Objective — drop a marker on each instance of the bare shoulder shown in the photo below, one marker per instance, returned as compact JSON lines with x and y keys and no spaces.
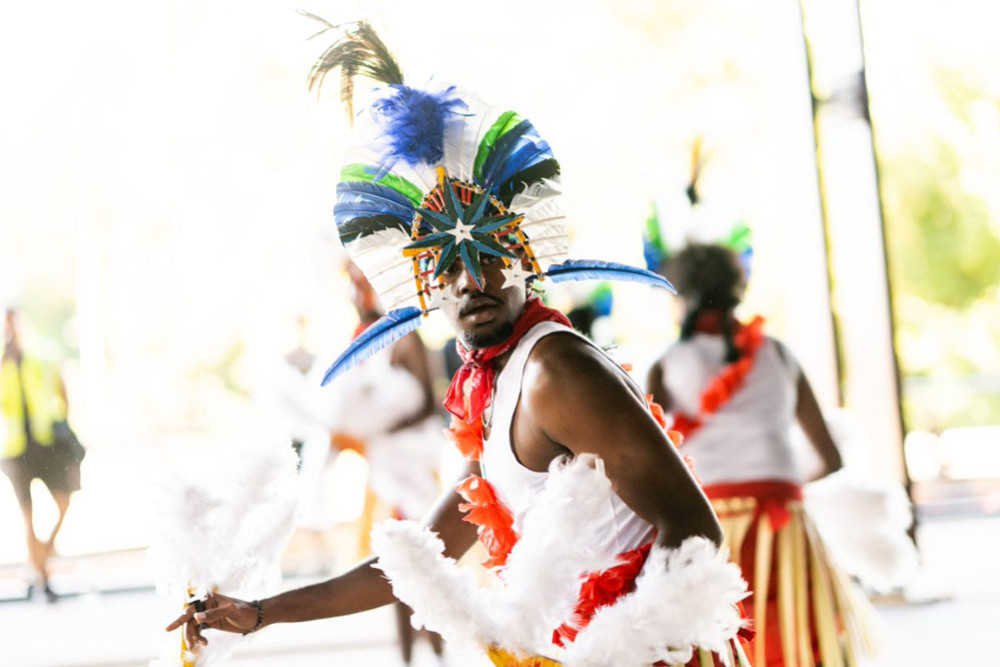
{"x":565,"y":355}
{"x":567,"y":368}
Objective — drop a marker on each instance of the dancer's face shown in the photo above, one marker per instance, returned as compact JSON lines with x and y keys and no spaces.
{"x":482,"y":317}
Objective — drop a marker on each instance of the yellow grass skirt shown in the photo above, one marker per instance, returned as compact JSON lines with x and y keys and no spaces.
{"x":820,"y":615}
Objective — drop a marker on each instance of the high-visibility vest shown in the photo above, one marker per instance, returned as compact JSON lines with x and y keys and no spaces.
{"x":43,"y":394}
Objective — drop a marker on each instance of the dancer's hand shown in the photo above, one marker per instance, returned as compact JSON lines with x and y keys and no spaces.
{"x":221,"y":613}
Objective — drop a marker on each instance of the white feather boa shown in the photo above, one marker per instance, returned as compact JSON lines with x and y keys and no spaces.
{"x":685,"y":597}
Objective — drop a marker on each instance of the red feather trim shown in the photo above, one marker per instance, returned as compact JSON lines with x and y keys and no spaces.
{"x":494,"y":521}
{"x":675,"y":436}
{"x":468,"y":438}
{"x":601,"y":589}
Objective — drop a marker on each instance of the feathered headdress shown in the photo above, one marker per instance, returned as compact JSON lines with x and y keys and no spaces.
{"x":439,"y":176}
{"x":656,"y":251}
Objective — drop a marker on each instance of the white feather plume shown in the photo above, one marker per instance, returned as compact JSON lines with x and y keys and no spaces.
{"x":684,"y":598}
{"x":864,"y":524}
{"x":222,"y":523}
{"x":536,"y":194}
{"x":463,"y":136}
{"x":544,"y":221}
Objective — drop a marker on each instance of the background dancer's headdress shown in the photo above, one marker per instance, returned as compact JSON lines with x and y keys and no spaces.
{"x":440,"y":176}
{"x":656,"y":251}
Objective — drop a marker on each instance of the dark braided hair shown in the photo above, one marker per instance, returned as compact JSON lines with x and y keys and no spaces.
{"x":709,"y":278}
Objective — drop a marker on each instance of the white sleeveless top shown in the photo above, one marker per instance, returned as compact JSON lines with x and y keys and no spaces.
{"x":749,"y":437}
{"x":517,"y":485}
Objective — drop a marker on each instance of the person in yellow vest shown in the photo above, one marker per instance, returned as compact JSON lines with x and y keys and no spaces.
{"x":33,"y":402}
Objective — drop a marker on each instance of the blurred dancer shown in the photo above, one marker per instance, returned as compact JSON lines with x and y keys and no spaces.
{"x":386,"y":412}
{"x":34,"y":405}
{"x":734,"y":394}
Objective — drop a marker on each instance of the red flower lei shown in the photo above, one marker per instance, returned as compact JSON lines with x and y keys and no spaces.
{"x":748,"y":339}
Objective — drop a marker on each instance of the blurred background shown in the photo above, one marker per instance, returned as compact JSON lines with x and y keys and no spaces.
{"x":167,"y":236}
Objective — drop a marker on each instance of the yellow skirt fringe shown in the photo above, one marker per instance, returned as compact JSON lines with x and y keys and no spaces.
{"x":808,"y":585}
{"x":702,"y":658}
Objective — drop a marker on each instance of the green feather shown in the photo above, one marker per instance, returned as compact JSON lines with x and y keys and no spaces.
{"x":366,"y":174}
{"x":503,"y":124}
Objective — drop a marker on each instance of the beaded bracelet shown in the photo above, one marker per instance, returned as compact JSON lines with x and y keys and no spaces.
{"x":260,"y":618}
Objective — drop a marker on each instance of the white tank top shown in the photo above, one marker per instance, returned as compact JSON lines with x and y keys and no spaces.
{"x":749,"y":437}
{"x":515,"y":484}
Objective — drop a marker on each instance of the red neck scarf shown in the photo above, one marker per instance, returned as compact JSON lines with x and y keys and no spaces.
{"x":477,"y":373}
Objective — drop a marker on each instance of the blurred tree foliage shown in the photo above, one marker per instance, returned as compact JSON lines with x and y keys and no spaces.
{"x":940,"y":235}
{"x":944,"y":255}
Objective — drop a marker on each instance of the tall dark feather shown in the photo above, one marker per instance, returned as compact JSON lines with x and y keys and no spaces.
{"x":358,"y":51}
{"x":360,"y":227}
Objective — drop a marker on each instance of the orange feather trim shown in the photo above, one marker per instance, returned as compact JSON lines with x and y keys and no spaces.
{"x":748,"y":339}
{"x":494,"y":521}
{"x":468,"y":438}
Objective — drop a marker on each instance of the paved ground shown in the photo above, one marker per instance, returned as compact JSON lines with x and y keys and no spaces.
{"x":123,"y":629}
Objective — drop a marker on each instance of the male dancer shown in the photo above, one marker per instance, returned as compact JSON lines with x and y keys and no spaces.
{"x":456,"y":211}
{"x":573,"y":400}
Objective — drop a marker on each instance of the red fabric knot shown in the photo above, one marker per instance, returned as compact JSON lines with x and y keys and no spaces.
{"x":474,"y":380}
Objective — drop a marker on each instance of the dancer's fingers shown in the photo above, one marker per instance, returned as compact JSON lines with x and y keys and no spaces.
{"x":197,"y":636}
{"x":213,"y":617}
{"x":182,"y":619}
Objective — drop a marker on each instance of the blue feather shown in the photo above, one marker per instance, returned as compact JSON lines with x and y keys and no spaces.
{"x":390,"y":201}
{"x":516,"y":150}
{"x":524,"y":157}
{"x":586,"y":269}
{"x":343,"y":213}
{"x":372,"y":191}
{"x":356,"y":199}
{"x":384,"y":332}
{"x":412,"y":123}
{"x":652,"y":253}
{"x":746,"y":259}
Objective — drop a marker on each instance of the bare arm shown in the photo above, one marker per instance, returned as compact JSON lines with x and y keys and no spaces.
{"x":656,"y":386}
{"x":359,"y":589}
{"x":584,"y":403}
{"x":814,"y":426}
